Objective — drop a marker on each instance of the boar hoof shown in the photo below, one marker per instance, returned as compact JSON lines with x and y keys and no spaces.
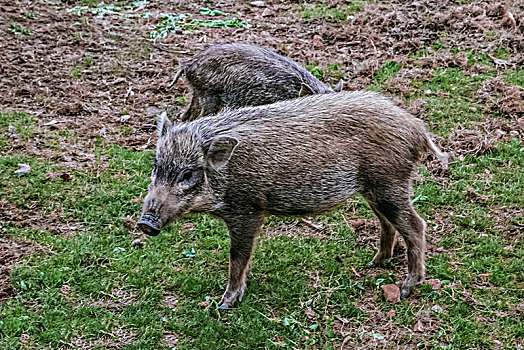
{"x":380,"y":259}
{"x":224,"y":306}
{"x":230,"y":299}
{"x":409,"y":284}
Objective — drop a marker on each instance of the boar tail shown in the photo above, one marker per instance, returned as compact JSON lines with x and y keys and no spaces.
{"x":442,"y":156}
{"x":180,"y":72}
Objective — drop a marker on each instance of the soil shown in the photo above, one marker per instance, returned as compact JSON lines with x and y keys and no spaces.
{"x":380,"y":330}
{"x":11,"y":251}
{"x":36,"y":220}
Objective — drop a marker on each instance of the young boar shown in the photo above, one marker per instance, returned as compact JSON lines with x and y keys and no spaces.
{"x":296,"y":157}
{"x":239,"y":75}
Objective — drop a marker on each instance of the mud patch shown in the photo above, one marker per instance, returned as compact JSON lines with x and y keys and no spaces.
{"x":170,"y":300}
{"x":505,"y":127}
{"x":380,"y":330}
{"x":438,"y":227}
{"x":367,"y":231}
{"x":11,"y":251}
{"x":498,"y":96}
{"x":467,"y":141}
{"x":170,"y":339}
{"x":36,"y":220}
{"x":117,"y":300}
{"x":117,"y":339}
{"x":509,"y":221}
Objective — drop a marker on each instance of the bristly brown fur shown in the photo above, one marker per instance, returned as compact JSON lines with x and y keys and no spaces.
{"x":297,"y":157}
{"x":239,"y":75}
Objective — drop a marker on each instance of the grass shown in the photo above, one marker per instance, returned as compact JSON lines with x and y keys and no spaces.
{"x":288,"y":276}
{"x":80,"y":68}
{"x":389,"y":69}
{"x":21,"y":124}
{"x":18,"y":29}
{"x":96,"y":286}
{"x":315,"y":70}
{"x":331,"y":14}
{"x":185,"y":23}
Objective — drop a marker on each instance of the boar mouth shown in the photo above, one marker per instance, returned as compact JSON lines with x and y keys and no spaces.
{"x":149,"y":224}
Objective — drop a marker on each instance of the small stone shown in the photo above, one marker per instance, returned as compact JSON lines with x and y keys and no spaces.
{"x":418,"y":327}
{"x":436,"y":308}
{"x":24,"y":338}
{"x":137,"y":242}
{"x":317,"y":41}
{"x":435,"y":283}
{"x":427,"y":92}
{"x":391,"y":313}
{"x":188,"y":226}
{"x":11,"y":130}
{"x":65,"y":289}
{"x":268,"y":12}
{"x":257,"y":3}
{"x":206,"y":305}
{"x":391,"y":293}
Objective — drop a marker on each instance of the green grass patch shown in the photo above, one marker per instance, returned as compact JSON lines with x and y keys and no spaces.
{"x":185,"y":23}
{"x":450,"y":96}
{"x":18,"y":29}
{"x":315,"y":70}
{"x":331,"y":14}
{"x":389,"y":69}
{"x":514,"y":77}
{"x":16,"y":123}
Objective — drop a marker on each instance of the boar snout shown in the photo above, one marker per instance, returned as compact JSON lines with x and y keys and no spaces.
{"x":149,"y":224}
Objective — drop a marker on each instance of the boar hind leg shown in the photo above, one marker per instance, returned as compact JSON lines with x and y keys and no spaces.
{"x":388,"y":238}
{"x":242,"y":232}
{"x":399,"y":211}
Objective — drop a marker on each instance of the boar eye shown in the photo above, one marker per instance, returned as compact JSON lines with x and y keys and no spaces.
{"x":185,"y":176}
{"x":188,"y":177}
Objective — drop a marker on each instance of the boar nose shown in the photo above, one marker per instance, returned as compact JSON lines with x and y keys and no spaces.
{"x":149,"y":224}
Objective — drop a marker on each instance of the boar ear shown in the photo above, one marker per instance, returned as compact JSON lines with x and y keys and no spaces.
{"x":305,"y":90}
{"x":339,"y":86}
{"x":163,"y":124}
{"x":220,"y":150}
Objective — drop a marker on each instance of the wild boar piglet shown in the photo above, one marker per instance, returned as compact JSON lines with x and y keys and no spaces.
{"x":239,"y":75}
{"x":297,"y":157}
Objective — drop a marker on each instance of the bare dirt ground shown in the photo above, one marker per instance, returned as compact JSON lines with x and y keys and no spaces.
{"x":10,"y":252}
{"x":84,"y":73}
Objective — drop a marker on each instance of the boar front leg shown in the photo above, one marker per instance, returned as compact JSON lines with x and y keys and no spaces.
{"x":242,"y":232}
{"x":202,"y":104}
